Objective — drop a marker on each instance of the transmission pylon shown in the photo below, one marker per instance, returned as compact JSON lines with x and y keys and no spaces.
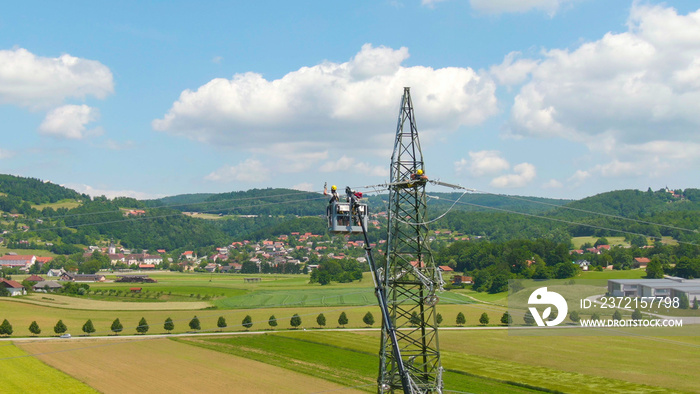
{"x":410,"y":277}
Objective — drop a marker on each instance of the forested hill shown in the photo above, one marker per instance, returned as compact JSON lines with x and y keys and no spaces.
{"x":251,"y":202}
{"x":36,"y":191}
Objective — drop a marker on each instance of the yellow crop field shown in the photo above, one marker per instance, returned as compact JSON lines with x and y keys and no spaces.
{"x":65,"y":302}
{"x":164,"y":366}
{"x":23,"y":374}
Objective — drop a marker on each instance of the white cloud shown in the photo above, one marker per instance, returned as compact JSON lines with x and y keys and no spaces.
{"x":626,"y":87}
{"x":487,"y":162}
{"x":579,"y":177}
{"x":350,"y":164}
{"x":430,"y":3}
{"x":249,"y":171}
{"x":6,"y":154}
{"x":524,"y":173}
{"x":505,"y":6}
{"x":69,"y":122}
{"x":33,"y":81}
{"x":304,"y":187}
{"x":513,"y":70}
{"x":96,"y":192}
{"x":116,"y":145}
{"x":552,"y":184}
{"x":333,"y":107}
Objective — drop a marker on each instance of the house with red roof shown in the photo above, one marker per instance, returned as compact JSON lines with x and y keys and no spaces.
{"x":642,"y":261}
{"x":15,"y":288}
{"x":17,"y":261}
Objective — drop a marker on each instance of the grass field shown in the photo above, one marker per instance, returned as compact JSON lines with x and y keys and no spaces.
{"x":347,"y":365}
{"x":578,"y":241}
{"x":22,"y":374}
{"x":475,"y":360}
{"x":68,"y":204}
{"x":24,"y":252}
{"x":164,"y":366}
{"x":21,"y":315}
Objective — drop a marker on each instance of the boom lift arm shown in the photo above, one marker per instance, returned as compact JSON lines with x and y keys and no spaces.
{"x":380,"y":292}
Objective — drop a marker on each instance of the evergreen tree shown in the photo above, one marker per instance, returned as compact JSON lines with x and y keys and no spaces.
{"x":683,"y":302}
{"x":484,"y":319}
{"x":194,"y":323}
{"x":117,"y":326}
{"x":617,"y":315}
{"x":574,"y":316}
{"x":415,"y":319}
{"x":60,"y":328}
{"x":88,"y":327}
{"x":142,"y":328}
{"x":296,"y":321}
{"x":168,"y":325}
{"x":343,"y":319}
{"x":5,"y":328}
{"x":438,"y":319}
{"x":506,"y":319}
{"x":637,"y":315}
{"x":221,"y":323}
{"x":321,"y":320}
{"x":247,"y":322}
{"x":529,"y":319}
{"x":34,"y":328}
{"x":368,"y":319}
{"x":272,"y":321}
{"x":595,"y":316}
{"x":460,"y":319}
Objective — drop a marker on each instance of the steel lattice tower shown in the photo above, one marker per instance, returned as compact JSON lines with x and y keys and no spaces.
{"x":410,"y":277}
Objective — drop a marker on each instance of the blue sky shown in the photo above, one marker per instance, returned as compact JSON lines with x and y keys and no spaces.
{"x":552,"y":98}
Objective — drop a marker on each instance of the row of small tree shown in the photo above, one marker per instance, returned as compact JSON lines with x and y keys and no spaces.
{"x":169,"y":325}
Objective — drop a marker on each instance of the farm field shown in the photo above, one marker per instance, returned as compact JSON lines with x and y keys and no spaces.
{"x":165,"y":366}
{"x":21,"y":315}
{"x":475,"y":360}
{"x":68,"y":204}
{"x":22,"y":374}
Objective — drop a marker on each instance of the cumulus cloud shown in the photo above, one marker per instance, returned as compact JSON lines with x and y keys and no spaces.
{"x":486,"y":162}
{"x":109,"y":193}
{"x":430,"y":3}
{"x":328,"y":105}
{"x":249,"y":171}
{"x":6,"y":154}
{"x":304,"y":187}
{"x":33,"y":81}
{"x":350,"y":164}
{"x":514,"y":70}
{"x":506,"y":6}
{"x":524,"y":173}
{"x":626,"y":87}
{"x":69,"y":122}
{"x":552,"y":184}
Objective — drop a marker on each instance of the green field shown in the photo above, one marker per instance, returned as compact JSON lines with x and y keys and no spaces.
{"x":23,"y":374}
{"x":68,"y":204}
{"x":475,"y":360}
{"x":350,"y":363}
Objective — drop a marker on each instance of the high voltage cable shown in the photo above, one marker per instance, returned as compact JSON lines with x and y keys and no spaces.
{"x":385,"y":187}
{"x":180,"y":205}
{"x":565,"y":221}
{"x":142,"y":218}
{"x":585,"y":211}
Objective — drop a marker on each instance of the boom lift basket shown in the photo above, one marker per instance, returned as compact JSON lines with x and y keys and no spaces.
{"x":342,"y":221}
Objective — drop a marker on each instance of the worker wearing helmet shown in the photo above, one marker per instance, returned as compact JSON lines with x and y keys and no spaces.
{"x":333,"y":193}
{"x":419,"y":177}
